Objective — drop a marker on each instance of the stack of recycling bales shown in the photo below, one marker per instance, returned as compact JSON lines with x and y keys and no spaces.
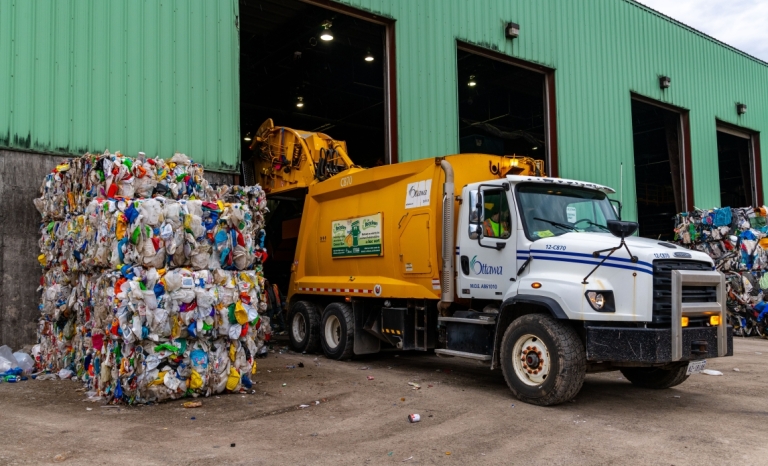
{"x":737,"y":241}
{"x":156,"y":296}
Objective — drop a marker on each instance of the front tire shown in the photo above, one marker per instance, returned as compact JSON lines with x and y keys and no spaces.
{"x":337,"y":332}
{"x":304,"y":327}
{"x":655,"y":377}
{"x":543,"y":360}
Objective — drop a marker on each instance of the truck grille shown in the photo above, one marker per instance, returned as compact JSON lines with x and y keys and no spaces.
{"x":662,"y":288}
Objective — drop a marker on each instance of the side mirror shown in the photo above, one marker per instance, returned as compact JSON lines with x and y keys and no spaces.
{"x":622,"y":229}
{"x":475,"y":232}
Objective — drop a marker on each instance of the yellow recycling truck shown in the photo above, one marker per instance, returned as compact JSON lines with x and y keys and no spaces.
{"x":484,"y":257}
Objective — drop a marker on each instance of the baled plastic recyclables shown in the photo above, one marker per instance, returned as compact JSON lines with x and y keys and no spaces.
{"x":159,"y":335}
{"x":737,"y":241}
{"x":75,"y":182}
{"x":151,"y":298}
{"x":156,"y":233}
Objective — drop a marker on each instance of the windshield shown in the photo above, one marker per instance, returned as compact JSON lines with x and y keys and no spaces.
{"x":549,"y":210}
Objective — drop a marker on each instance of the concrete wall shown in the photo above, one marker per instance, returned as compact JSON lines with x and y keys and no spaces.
{"x":20,"y":177}
{"x":21,"y":174}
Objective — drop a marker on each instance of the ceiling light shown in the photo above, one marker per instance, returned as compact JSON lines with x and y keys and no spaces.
{"x":299,"y":102}
{"x":368,"y":56}
{"x":247,"y":136}
{"x":326,"y":35}
{"x":472,"y":82}
{"x":535,"y":147}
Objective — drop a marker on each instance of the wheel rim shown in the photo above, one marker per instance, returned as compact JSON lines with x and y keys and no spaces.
{"x":299,"y":327}
{"x":530,"y":359}
{"x":332,"y":331}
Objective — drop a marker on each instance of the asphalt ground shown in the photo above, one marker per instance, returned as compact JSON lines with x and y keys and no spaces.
{"x":468,"y":416}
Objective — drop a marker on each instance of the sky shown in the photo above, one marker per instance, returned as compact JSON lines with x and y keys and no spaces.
{"x":742,"y":24}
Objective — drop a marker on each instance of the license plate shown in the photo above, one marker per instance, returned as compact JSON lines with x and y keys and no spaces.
{"x":695,"y":367}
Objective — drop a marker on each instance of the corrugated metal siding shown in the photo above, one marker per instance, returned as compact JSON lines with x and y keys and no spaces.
{"x":157,"y":76}
{"x":162,"y":76}
{"x":602,"y":50}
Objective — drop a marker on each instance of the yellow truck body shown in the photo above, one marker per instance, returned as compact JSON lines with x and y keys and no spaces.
{"x":400,"y":250}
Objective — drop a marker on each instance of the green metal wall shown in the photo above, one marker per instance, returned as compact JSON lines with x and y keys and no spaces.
{"x":162,"y":75}
{"x":602,"y":50}
{"x":157,"y":76}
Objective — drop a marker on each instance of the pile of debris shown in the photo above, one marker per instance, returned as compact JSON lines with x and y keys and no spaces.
{"x":152,"y":286}
{"x":737,"y":241}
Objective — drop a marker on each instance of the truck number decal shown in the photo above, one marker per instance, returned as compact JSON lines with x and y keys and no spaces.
{"x":661,"y":255}
{"x":556,"y":247}
{"x":346,"y":181}
{"x":484,"y":286}
{"x":417,"y":194}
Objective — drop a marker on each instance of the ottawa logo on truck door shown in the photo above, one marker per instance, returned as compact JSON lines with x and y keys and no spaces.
{"x":484,"y":269}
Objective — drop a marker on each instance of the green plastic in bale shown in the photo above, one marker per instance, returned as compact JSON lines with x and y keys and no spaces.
{"x":232,"y":318}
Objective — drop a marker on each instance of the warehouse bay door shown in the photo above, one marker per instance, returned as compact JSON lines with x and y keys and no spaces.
{"x":505,"y":106}
{"x":315,"y":66}
{"x":738,"y":167}
{"x":662,"y":181}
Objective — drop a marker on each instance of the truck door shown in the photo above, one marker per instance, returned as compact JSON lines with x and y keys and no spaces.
{"x":486,"y":253}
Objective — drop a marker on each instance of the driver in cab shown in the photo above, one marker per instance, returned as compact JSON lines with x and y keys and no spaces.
{"x":494,"y":226}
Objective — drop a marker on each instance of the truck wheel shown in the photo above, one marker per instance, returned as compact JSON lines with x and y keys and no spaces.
{"x":543,"y":360}
{"x":304,"y":329}
{"x":655,"y":377}
{"x":337,"y":332}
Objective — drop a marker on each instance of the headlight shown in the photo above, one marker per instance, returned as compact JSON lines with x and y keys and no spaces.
{"x":596,"y":299}
{"x":601,"y":300}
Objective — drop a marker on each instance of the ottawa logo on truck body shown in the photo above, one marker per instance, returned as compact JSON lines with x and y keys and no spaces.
{"x":413,"y":192}
{"x":484,"y":269}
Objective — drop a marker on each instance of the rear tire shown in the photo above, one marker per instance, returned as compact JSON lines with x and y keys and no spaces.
{"x":304,"y":327}
{"x":543,"y":360}
{"x":654,"y":377}
{"x":337,"y":332}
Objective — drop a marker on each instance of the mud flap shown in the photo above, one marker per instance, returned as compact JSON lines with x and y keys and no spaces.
{"x":365,"y":343}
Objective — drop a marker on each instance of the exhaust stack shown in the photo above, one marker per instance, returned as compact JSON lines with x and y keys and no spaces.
{"x":447,"y":275}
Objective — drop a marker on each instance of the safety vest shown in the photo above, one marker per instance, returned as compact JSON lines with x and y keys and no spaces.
{"x":493,"y":229}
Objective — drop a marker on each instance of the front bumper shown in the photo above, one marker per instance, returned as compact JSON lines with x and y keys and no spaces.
{"x":650,"y":345}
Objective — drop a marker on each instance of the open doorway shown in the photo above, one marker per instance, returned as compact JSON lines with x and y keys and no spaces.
{"x":315,"y":69}
{"x":314,"y":66}
{"x":660,"y":174}
{"x":502,"y":106}
{"x":737,"y":168}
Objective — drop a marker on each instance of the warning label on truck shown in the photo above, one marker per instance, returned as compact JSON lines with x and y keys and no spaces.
{"x":356,"y":237}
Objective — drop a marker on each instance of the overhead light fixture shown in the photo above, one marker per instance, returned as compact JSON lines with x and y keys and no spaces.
{"x":512,"y":30}
{"x":247,"y":136}
{"x":472,"y":82}
{"x":741,"y":109}
{"x":299,"y":102}
{"x":368,"y":56}
{"x":535,"y":147}
{"x":664,"y":82}
{"x":326,"y":35}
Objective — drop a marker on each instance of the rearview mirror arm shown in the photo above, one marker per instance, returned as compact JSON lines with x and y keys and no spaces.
{"x":596,"y":254}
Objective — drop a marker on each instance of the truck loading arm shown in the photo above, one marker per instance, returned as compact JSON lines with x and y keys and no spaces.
{"x":448,"y":240}
{"x":290,"y":160}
